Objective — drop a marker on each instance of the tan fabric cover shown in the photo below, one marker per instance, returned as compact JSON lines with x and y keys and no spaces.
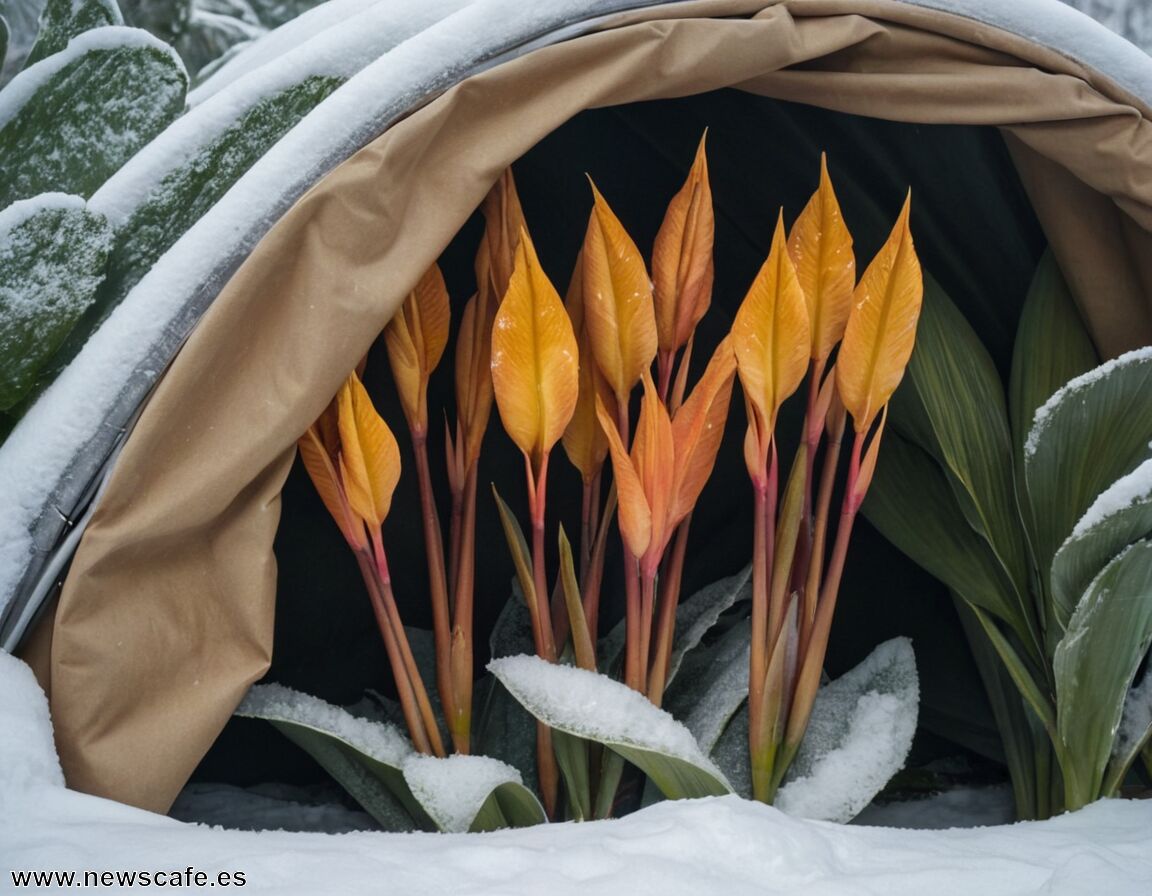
{"x":166,"y":617}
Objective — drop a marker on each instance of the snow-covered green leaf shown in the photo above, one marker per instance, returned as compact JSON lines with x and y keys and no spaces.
{"x":52,"y":256}
{"x":69,"y":121}
{"x":4,"y":33}
{"x":859,"y":735}
{"x":594,"y":707}
{"x":1135,"y":732}
{"x":62,"y":20}
{"x":1094,"y":666}
{"x":1095,"y":429}
{"x":713,"y":685}
{"x":1121,"y":515}
{"x":366,"y":758}
{"x":471,"y":793}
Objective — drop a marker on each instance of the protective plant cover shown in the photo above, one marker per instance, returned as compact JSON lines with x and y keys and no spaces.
{"x":166,"y":615}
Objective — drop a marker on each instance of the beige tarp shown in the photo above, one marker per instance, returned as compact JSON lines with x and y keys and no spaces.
{"x":166,"y":617}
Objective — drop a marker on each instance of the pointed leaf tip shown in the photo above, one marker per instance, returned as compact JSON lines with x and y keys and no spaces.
{"x":415,"y":338}
{"x":369,"y":455}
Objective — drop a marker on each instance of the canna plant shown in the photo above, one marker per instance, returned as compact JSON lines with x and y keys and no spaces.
{"x":751,"y":647}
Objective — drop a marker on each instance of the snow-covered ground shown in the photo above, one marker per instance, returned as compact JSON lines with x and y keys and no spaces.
{"x":722,"y":845}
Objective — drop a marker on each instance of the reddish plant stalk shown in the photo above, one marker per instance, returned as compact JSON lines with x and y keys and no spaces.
{"x":460,"y":722}
{"x":592,"y":584}
{"x":633,"y":669}
{"x":666,"y":624}
{"x":820,"y":533}
{"x":813,"y":429}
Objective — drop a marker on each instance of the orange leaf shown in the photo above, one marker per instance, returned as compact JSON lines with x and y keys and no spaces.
{"x":634,"y":513}
{"x":321,"y":468}
{"x":504,"y":219}
{"x":698,"y":428}
{"x":682,"y":263}
{"x":535,"y":361}
{"x":369,"y":455}
{"x":415,"y":339}
{"x":584,"y":441}
{"x":618,"y":308}
{"x":821,"y":249}
{"x":654,"y":459}
{"x":882,"y":327}
{"x":474,"y":372}
{"x":771,"y":336}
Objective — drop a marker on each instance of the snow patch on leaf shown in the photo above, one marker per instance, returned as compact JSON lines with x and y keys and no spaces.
{"x":453,"y":790}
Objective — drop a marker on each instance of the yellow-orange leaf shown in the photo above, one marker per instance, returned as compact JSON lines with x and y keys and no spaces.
{"x":415,"y":339}
{"x":369,"y":455}
{"x":820,"y":247}
{"x":584,"y":440}
{"x":882,"y":327}
{"x":698,"y":428}
{"x":474,"y":372}
{"x":535,"y":361}
{"x":635,"y":515}
{"x":682,"y":263}
{"x":504,"y":219}
{"x":321,"y":468}
{"x":618,"y":308}
{"x":654,"y":459}
{"x":771,"y":335}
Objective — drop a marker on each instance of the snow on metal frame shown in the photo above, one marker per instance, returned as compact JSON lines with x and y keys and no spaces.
{"x":50,"y":463}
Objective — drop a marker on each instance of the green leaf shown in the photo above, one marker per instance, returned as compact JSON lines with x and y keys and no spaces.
{"x":713,"y":686}
{"x":4,"y":35}
{"x":1096,"y":429}
{"x":471,"y":793}
{"x":62,"y":20}
{"x":578,"y":625}
{"x":518,"y":545}
{"x":366,"y":758}
{"x":1120,"y":516}
{"x":1135,"y":733}
{"x":573,"y":759}
{"x":953,"y":407}
{"x":82,"y":114}
{"x":1052,"y":346}
{"x":594,"y":707}
{"x":52,"y":256}
{"x":912,"y":505}
{"x":1095,"y":664}
{"x":864,"y":721}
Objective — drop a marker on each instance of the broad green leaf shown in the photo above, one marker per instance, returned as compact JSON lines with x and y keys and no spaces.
{"x":535,"y":360}
{"x":682,"y":263}
{"x":731,"y":753}
{"x":572,"y":758}
{"x":471,"y":793}
{"x":83,"y":113}
{"x":1095,"y":664}
{"x":52,"y":256}
{"x":1052,"y":346}
{"x":821,"y":249}
{"x":4,"y":34}
{"x":1135,"y":733}
{"x":771,"y":334}
{"x":864,"y":721}
{"x":1096,"y":429}
{"x":1121,"y":515}
{"x":953,"y":407}
{"x":713,"y":686}
{"x":912,"y":505}
{"x":62,"y":20}
{"x":594,"y":707}
{"x":881,"y":328}
{"x":366,"y":758}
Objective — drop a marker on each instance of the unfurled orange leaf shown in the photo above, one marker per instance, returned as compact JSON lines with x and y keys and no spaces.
{"x":535,"y":361}
{"x":369,"y":455}
{"x":321,"y":467}
{"x":635,"y":516}
{"x":882,"y":327}
{"x":698,"y":428}
{"x":618,"y":306}
{"x":682,"y":263}
{"x":771,"y":337}
{"x":654,"y":459}
{"x":584,"y":440}
{"x":820,"y":247}
{"x":415,"y":339}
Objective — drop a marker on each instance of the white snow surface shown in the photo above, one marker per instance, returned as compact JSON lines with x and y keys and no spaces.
{"x":1134,"y":488}
{"x":722,"y":845}
{"x":594,"y":706}
{"x":452,"y":790}
{"x":23,"y":209}
{"x":275,"y":702}
{"x":111,"y":37}
{"x":1040,"y":420}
